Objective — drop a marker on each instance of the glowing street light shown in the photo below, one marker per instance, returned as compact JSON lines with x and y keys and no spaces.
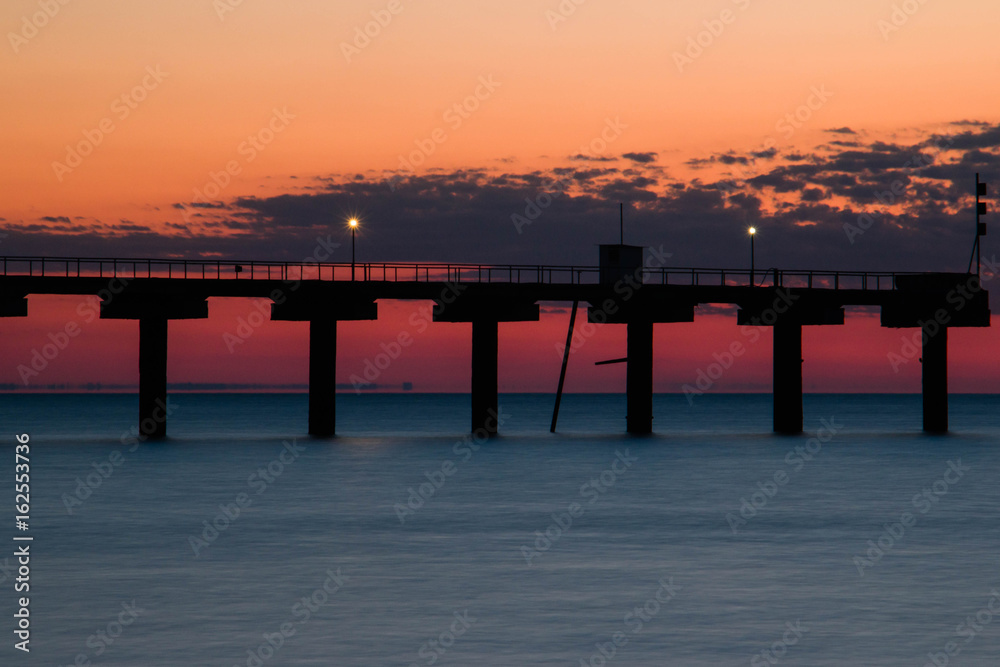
{"x":353,"y":224}
{"x":753,"y":233}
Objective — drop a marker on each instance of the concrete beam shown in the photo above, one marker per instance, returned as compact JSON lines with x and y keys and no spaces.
{"x":769,"y":314}
{"x":13,"y":307}
{"x":154,"y":306}
{"x":153,"y":310}
{"x":468,"y":310}
{"x":949,"y":299}
{"x":323,"y":313}
{"x":485,"y":314}
{"x":786,"y":313}
{"x":613,"y":308}
{"x":664,"y":314}
{"x":308,"y":310}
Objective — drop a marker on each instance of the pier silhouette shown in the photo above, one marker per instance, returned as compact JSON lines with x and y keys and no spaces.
{"x":622,"y":289}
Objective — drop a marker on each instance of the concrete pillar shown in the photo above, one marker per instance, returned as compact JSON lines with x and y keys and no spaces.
{"x":935,"y":380}
{"x":323,"y":378}
{"x":485,"y":400}
{"x":153,"y":377}
{"x":787,"y":358}
{"x":639,"y":378}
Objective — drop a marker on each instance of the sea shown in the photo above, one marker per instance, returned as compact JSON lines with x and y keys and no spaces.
{"x":241,"y":541}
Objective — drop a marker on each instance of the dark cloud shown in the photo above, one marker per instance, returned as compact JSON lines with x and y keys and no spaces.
{"x":729,"y":158}
{"x":129,"y":226}
{"x":642,"y":158}
{"x":800,"y":202}
{"x":586,"y":175}
{"x":984,"y":136}
{"x":699,"y":162}
{"x":813,"y":195}
{"x":768,"y":154}
{"x":580,"y":157}
{"x":840,"y":130}
{"x":982,"y":159}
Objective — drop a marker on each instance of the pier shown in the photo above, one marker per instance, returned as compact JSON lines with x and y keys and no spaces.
{"x":620,"y":290}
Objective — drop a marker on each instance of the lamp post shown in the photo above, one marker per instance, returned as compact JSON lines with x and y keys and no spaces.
{"x":753,"y":233}
{"x":353,"y":224}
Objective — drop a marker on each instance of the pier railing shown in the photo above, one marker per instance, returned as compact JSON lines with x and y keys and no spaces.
{"x":203,"y":269}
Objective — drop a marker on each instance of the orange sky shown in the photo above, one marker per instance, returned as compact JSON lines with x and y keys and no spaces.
{"x":225,"y":73}
{"x":225,"y":76}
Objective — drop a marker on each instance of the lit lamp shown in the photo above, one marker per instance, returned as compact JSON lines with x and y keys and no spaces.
{"x":353,"y":224}
{"x":753,"y":233}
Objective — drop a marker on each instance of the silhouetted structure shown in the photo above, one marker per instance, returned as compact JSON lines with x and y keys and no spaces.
{"x":620,"y":291}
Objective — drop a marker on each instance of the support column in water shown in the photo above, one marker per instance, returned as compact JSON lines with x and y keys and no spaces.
{"x":787,"y":388}
{"x":639,"y":378}
{"x":485,"y":382}
{"x":935,"y":378}
{"x":323,"y":377}
{"x":153,"y":377}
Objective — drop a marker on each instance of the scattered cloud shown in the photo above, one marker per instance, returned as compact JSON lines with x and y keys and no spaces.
{"x":800,"y":201}
{"x":580,"y":157}
{"x":642,"y":158}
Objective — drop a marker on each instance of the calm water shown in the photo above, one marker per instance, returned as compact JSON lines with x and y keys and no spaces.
{"x":642,"y":518}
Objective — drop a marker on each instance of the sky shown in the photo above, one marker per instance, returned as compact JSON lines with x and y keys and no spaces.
{"x":849,"y":133}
